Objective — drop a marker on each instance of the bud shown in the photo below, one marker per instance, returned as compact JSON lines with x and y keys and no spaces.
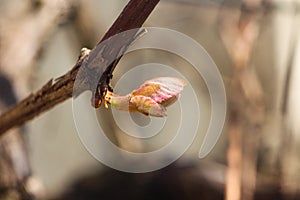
{"x":151,"y":98}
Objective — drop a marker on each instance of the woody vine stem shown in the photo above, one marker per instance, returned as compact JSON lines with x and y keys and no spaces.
{"x":54,"y":92}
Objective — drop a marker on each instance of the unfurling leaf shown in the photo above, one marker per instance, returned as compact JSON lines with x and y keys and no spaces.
{"x":151,"y":98}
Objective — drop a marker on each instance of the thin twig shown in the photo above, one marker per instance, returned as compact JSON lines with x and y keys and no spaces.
{"x":53,"y":93}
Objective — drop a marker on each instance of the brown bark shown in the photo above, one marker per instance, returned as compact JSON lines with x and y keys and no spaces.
{"x":133,"y":16}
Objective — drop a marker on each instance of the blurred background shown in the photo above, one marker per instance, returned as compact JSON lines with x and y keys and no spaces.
{"x":255,"y":45}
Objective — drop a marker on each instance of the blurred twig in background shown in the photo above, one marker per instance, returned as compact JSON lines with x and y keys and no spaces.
{"x":286,"y":156}
{"x":239,"y":30}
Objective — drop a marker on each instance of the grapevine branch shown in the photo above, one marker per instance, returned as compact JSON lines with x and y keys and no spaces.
{"x":56,"y":91}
